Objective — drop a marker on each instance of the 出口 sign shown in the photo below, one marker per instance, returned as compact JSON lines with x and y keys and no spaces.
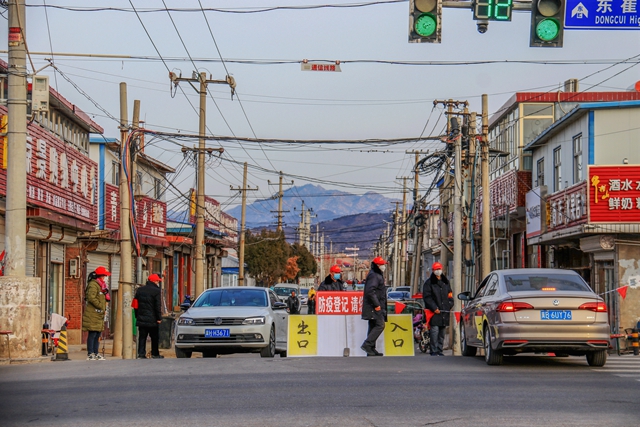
{"x":614,"y":194}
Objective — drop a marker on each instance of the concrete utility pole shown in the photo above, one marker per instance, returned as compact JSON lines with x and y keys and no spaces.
{"x":201,"y":78}
{"x":456,"y":286}
{"x":417,"y":237}
{"x":123,"y":334}
{"x":280,"y":212}
{"x":486,"y":192}
{"x":243,"y":190}
{"x":16,"y":213}
{"x":471,"y":182}
{"x":403,"y":235}
{"x":396,"y":258}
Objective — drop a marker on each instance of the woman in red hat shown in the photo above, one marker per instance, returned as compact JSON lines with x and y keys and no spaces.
{"x":97,"y":297}
{"x":149,"y":316}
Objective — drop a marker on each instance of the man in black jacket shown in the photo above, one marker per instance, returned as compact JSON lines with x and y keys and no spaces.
{"x":149,"y":316}
{"x":374,"y":305}
{"x":293,"y":303}
{"x":332,"y":282}
{"x":438,"y":297}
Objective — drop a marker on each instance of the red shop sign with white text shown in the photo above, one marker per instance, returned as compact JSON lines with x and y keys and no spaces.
{"x":111,"y":207}
{"x":151,"y":217}
{"x":341,"y":303}
{"x":614,"y":194}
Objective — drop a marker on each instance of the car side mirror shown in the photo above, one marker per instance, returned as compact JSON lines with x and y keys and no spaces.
{"x":279,"y":306}
{"x":464,"y":296}
{"x":185,"y":306}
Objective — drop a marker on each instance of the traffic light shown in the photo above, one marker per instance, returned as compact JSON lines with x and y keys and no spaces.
{"x":425,"y":17}
{"x":547,"y":23}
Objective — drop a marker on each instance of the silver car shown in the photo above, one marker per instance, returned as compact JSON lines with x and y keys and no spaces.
{"x":534,"y":310}
{"x":233,"y":320}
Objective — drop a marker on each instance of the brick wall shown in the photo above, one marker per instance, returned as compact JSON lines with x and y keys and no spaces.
{"x":73,"y":297}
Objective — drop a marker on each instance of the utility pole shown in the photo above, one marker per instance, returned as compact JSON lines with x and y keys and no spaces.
{"x":486,"y":191}
{"x":16,"y":212}
{"x":280,"y":212}
{"x":244,"y":190}
{"x":123,"y":334}
{"x":471,"y":184}
{"x":396,"y":258}
{"x":417,"y":237}
{"x":403,"y":235}
{"x":457,"y":234}
{"x":200,"y":206}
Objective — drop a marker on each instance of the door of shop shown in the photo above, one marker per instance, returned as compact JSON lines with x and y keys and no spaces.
{"x":605,"y":286}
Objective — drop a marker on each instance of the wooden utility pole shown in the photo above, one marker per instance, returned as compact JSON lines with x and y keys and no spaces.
{"x":486,"y":191}
{"x":280,"y":212}
{"x":243,"y":190}
{"x":201,"y":78}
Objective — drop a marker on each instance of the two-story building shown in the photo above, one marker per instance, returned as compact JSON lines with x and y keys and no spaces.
{"x":584,"y":210}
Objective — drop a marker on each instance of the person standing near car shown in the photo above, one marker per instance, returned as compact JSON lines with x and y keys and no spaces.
{"x":332,"y":282}
{"x":96,"y":296}
{"x":293,"y":303}
{"x":438,"y":297}
{"x":374,"y":305}
{"x":149,"y":316}
{"x":311,"y":302}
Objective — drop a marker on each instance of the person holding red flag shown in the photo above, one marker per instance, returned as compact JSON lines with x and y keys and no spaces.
{"x":374,"y":305}
{"x":438,"y":298}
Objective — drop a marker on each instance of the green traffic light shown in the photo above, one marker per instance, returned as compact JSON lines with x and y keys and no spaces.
{"x":548,"y":29}
{"x":426,"y":25}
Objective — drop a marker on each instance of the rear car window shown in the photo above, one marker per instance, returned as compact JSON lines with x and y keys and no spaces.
{"x":545,"y":282}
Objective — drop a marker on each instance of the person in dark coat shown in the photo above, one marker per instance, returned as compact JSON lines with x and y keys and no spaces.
{"x":332,"y":282}
{"x":438,"y":297}
{"x":149,"y":316}
{"x":293,"y":303}
{"x":374,"y":305}
{"x":97,"y":297}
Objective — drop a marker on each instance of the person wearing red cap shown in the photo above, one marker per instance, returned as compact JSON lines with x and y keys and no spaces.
{"x":332,"y":282}
{"x":438,"y":297}
{"x":149,"y":316}
{"x":374,"y":305}
{"x":96,"y":296}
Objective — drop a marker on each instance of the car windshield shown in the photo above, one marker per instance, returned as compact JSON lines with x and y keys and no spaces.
{"x":304,"y":292}
{"x":232,"y":297}
{"x":545,"y":282}
{"x":285,"y":292}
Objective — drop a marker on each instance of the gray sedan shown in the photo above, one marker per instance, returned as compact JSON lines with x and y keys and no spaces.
{"x":233,"y":320}
{"x":534,"y":310}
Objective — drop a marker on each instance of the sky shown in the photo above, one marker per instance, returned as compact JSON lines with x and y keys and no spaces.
{"x":377,"y":95}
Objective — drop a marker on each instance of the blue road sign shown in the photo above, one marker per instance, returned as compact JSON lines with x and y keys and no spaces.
{"x":602,"y":15}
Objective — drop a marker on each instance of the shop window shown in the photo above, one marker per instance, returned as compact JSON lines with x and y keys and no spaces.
{"x":557,"y":169}
{"x":540,"y":173}
{"x":157,"y":188}
{"x":115,"y":173}
{"x":577,"y":159}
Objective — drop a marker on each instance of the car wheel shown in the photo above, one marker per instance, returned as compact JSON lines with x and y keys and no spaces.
{"x":270,"y":349}
{"x":597,"y":358}
{"x":466,"y":350}
{"x":182,"y":354}
{"x":491,"y":356}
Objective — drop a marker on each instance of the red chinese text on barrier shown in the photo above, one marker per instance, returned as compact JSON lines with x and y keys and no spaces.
{"x":339,"y":303}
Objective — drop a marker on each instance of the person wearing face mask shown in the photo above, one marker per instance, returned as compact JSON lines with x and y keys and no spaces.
{"x":438,"y":297}
{"x":96,"y":297}
{"x":374,"y":305}
{"x":332,"y":282}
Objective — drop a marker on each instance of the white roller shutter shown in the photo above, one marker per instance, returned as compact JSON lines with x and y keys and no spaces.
{"x":96,"y":260}
{"x":30,"y":261}
{"x":57,"y":253}
{"x":115,"y":272}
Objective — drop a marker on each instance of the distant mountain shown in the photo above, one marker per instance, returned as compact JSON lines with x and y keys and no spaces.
{"x":360,"y":231}
{"x":326,"y":205}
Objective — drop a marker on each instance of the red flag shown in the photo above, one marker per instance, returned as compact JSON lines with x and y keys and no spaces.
{"x":623,"y":291}
{"x":429,"y":314}
{"x":457,"y":314}
{"x":399,"y":307}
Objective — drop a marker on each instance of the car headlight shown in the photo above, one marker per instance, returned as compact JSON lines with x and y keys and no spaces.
{"x":185,"y":321}
{"x":254,"y":321}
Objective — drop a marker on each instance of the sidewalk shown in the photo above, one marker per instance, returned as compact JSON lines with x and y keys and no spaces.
{"x":79,"y":351}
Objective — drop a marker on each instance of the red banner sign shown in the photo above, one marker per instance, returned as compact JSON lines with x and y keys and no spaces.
{"x":614,"y":194}
{"x":59,"y":176}
{"x":151,"y":217}
{"x":568,"y":207}
{"x":111,"y":207}
{"x":339,"y":303}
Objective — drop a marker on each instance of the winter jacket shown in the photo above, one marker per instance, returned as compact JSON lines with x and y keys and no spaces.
{"x":293,"y":304}
{"x":437,"y":294}
{"x":331,"y":285}
{"x":375,"y":294}
{"x":94,"y":310}
{"x":148,"y":312}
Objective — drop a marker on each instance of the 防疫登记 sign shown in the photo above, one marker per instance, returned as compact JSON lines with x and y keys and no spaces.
{"x":602,"y":15}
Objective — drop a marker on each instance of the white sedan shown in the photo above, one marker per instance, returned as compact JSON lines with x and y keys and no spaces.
{"x":233,"y":320}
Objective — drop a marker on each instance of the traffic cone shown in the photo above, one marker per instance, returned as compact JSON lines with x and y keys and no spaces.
{"x":63,"y":352}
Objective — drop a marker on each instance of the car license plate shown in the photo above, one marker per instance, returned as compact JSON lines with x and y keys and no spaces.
{"x":216,"y":333}
{"x":555,"y":314}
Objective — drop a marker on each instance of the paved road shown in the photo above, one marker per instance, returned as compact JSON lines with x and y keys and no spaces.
{"x":250,"y":391}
